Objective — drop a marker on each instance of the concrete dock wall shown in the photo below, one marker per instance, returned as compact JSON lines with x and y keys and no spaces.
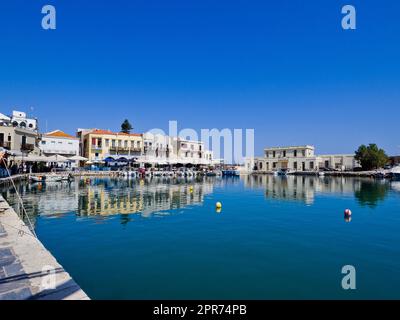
{"x":27,"y":269}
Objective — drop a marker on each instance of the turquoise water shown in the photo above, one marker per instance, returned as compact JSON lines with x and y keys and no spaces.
{"x":275,"y":237}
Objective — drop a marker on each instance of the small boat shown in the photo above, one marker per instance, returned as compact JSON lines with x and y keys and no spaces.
{"x":283,"y":172}
{"x":50,"y":178}
{"x":231,"y":173}
{"x":395,"y":173}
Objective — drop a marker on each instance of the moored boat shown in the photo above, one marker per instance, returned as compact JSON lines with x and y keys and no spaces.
{"x":395,"y":173}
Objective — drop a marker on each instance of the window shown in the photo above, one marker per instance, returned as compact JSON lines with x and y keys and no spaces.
{"x":43,"y":142}
{"x":132,"y":144}
{"x":312,"y":165}
{"x":295,"y":153}
{"x":260,"y":166}
{"x":52,"y":141}
{"x":113,"y":142}
{"x":138,"y":144}
{"x":274,"y":154}
{"x":295,"y":165}
{"x":267,"y":154}
{"x":284,"y":153}
{"x":304,"y":153}
{"x":59,"y":142}
{"x":274,"y":165}
{"x":107,"y":142}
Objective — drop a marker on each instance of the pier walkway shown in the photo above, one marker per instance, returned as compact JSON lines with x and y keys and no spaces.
{"x":24,"y":264}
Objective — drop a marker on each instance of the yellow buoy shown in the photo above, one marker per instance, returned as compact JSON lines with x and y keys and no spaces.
{"x":218,"y":205}
{"x":191,"y":189}
{"x":218,"y":210}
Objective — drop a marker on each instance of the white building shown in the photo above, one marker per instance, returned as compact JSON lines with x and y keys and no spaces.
{"x":164,"y":149}
{"x":158,"y":147}
{"x":19,"y":119}
{"x":59,"y":142}
{"x":298,"y":158}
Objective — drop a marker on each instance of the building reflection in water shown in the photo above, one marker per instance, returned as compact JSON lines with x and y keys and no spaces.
{"x":148,"y":197}
{"x":304,"y":188}
{"x":112,"y":196}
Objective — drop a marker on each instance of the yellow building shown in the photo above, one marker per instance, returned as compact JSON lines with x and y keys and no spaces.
{"x":98,"y":145}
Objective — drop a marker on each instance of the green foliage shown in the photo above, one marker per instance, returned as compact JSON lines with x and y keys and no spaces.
{"x":371,"y":157}
{"x":126,"y":127}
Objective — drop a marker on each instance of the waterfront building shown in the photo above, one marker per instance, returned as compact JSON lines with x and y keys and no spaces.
{"x":158,"y":148}
{"x":20,"y":119}
{"x":190,"y":151}
{"x":298,"y":158}
{"x":162,"y":149}
{"x":100,"y":145}
{"x":59,"y":142}
{"x":19,"y":140}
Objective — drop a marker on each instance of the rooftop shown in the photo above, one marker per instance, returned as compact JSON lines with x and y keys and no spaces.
{"x":109,"y":132}
{"x":290,"y":148}
{"x":59,"y":134}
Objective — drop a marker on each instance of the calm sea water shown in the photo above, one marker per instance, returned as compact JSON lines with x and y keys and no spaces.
{"x":275,"y":237}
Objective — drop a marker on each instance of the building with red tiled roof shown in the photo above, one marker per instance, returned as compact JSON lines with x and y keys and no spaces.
{"x":59,"y":142}
{"x":100,"y":144}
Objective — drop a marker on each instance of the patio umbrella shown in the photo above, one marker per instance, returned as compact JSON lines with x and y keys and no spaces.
{"x":78,"y":158}
{"x":57,"y":158}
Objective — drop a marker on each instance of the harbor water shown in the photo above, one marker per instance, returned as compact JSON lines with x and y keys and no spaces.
{"x":273,"y":238}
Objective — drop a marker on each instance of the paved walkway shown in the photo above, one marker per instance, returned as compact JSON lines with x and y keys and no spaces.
{"x":24,"y":261}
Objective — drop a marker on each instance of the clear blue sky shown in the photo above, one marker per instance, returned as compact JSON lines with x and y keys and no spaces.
{"x":284,"y":68}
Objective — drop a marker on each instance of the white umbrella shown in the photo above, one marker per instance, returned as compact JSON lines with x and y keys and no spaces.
{"x":31,"y":158}
{"x":78,"y":158}
{"x":57,"y":158}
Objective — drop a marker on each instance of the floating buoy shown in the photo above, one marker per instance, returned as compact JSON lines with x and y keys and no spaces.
{"x":218,"y":205}
{"x":347,"y":212}
{"x":218,"y":210}
{"x":191,"y":189}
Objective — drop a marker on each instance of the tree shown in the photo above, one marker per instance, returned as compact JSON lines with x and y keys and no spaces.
{"x":126,"y":127}
{"x":371,"y":157}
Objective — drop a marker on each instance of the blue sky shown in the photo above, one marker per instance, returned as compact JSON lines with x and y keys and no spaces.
{"x":285,"y":68}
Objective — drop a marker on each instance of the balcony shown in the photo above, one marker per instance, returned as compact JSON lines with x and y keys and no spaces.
{"x":124,"y":150}
{"x":27,"y":147}
{"x":96,"y":149}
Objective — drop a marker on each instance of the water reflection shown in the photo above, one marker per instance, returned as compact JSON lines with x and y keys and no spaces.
{"x":368,"y":192}
{"x":87,"y":197}
{"x":371,"y":193}
{"x":158,"y":196}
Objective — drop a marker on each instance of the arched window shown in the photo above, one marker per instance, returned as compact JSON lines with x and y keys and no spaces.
{"x":22,"y":124}
{"x":260,"y":165}
{"x":15,"y":124}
